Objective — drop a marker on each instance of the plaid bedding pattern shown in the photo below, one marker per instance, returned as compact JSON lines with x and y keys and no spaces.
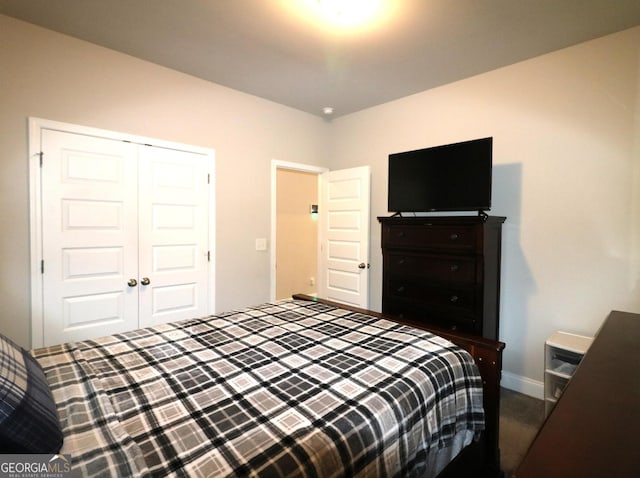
{"x":292,"y":388}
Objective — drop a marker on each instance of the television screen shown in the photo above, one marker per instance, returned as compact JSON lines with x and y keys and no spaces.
{"x":452,"y":177}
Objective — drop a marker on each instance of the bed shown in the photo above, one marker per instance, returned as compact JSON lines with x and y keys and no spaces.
{"x":297,"y":388}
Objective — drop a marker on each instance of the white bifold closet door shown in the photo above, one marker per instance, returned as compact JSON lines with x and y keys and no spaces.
{"x":124,"y":233}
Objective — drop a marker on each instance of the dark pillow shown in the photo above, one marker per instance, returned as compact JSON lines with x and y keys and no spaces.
{"x":28,"y":417}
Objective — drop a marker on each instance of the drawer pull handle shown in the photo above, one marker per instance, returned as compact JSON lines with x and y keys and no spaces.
{"x":454,"y":298}
{"x":401,"y":261}
{"x":400,"y":234}
{"x":453,"y":236}
{"x":454,"y":267}
{"x":400,"y":289}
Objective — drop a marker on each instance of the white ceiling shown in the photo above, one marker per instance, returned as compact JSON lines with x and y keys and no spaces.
{"x":265,"y":48}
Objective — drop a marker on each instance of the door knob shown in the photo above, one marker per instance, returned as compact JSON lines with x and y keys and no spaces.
{"x":362,"y":265}
{"x":145,"y":281}
{"x":132,"y":283}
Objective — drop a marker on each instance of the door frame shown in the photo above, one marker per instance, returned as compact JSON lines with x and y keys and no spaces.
{"x":275,"y":165}
{"x":35,"y":127}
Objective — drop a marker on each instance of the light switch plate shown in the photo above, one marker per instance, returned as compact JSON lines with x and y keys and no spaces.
{"x":261,"y":244}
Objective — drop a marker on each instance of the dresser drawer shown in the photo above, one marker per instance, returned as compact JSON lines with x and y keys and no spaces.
{"x":462,"y":237}
{"x":431,"y":314}
{"x":458,"y":298}
{"x":440,"y":268}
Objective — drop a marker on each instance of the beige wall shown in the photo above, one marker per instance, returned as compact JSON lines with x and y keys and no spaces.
{"x":52,"y":76}
{"x":566,"y":134}
{"x":296,"y":232}
{"x":566,"y":130}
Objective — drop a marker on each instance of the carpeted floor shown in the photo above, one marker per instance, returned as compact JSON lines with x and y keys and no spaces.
{"x":520,"y":419}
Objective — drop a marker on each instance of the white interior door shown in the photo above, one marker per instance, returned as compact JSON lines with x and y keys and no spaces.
{"x":344,"y":236}
{"x":174,"y":225}
{"x":89,"y":235}
{"x":125,"y":235}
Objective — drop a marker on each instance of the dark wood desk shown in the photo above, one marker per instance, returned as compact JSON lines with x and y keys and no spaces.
{"x":594,"y":429}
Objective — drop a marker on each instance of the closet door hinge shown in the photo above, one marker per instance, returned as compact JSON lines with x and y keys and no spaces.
{"x":208,"y":178}
{"x":42,"y":266}
{"x":41,"y":154}
{"x":208,"y":256}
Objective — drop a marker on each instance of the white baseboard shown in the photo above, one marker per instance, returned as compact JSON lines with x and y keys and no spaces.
{"x":518,"y":383}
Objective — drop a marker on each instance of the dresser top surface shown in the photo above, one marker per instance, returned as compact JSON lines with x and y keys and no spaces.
{"x":441,"y":220}
{"x":592,"y":430}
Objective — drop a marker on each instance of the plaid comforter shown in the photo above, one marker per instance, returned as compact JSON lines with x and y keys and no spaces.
{"x":286,"y":389}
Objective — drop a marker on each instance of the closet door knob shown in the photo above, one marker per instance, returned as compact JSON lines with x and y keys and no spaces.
{"x":145,"y":281}
{"x":132,"y":283}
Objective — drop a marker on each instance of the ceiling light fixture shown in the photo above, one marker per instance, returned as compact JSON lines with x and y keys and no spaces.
{"x":327,"y":110}
{"x":349,"y":13}
{"x":343,"y":16}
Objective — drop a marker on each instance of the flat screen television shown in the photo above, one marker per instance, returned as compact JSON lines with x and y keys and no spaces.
{"x":451,"y":177}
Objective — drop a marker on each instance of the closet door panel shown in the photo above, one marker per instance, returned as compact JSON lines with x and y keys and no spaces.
{"x":89,"y":228}
{"x":173,"y":234}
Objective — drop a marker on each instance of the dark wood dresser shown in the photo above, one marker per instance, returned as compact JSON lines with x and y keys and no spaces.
{"x":593,"y":429}
{"x":443,"y":271}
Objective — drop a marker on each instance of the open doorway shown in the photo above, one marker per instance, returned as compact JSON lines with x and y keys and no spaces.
{"x":342,"y":247}
{"x":296,"y":232}
{"x":294,"y":229}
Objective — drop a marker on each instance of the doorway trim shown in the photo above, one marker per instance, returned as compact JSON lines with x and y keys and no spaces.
{"x":35,"y":127}
{"x":275,"y":165}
